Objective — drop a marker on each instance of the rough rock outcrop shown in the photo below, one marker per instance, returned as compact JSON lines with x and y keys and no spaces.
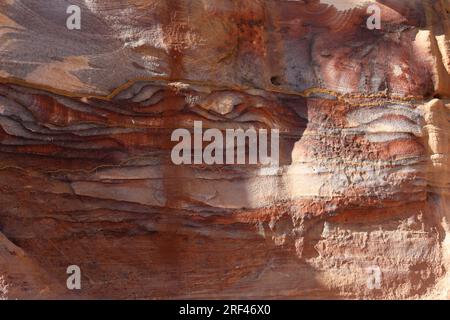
{"x":86,"y":117}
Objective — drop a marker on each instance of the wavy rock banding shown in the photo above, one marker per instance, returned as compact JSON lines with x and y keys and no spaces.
{"x":86,"y":176}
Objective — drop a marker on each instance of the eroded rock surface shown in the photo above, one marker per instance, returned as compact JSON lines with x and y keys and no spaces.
{"x":86,"y":178}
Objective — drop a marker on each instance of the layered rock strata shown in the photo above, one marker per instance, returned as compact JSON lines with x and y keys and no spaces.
{"x":86,"y":177}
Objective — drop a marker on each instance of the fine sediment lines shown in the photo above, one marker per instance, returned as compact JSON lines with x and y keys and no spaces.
{"x":86,"y":118}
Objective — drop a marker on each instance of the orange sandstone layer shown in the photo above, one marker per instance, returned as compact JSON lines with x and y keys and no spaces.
{"x":86,"y":177}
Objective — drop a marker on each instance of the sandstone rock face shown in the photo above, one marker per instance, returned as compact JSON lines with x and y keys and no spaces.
{"x":358,"y":207}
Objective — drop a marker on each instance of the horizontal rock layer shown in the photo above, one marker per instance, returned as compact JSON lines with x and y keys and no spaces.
{"x":86,"y":178}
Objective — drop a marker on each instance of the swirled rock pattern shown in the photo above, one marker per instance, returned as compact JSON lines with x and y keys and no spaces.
{"x":86,"y":117}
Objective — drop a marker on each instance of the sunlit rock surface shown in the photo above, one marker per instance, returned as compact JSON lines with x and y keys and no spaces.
{"x":86,"y":177}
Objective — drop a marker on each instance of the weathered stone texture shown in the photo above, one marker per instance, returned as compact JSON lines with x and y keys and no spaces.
{"x":85,"y":171}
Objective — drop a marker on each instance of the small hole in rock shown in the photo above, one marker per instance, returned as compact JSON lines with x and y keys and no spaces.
{"x":275,"y":80}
